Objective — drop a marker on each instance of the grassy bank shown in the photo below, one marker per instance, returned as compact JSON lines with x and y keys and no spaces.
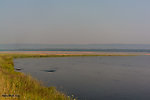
{"x":24,"y":87}
{"x":17,"y":86}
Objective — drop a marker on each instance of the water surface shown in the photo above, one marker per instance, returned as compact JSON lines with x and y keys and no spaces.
{"x":77,"y":47}
{"x":93,"y":78}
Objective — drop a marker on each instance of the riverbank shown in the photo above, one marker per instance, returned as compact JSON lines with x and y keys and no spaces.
{"x":18,"y":86}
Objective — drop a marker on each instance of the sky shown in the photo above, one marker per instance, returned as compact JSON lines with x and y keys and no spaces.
{"x":75,"y":21}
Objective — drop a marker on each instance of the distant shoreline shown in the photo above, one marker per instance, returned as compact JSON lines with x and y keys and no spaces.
{"x":73,"y":53}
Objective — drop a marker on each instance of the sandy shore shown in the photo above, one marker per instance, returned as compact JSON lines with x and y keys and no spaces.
{"x":73,"y":53}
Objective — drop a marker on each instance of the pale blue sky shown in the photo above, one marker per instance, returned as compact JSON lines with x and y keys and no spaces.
{"x":75,"y":21}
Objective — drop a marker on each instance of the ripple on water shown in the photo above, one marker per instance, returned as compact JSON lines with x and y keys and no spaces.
{"x":50,"y":71}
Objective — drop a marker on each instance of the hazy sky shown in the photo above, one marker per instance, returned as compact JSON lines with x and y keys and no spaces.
{"x":75,"y":21}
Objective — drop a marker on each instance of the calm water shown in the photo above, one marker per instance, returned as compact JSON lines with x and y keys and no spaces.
{"x":93,"y":78}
